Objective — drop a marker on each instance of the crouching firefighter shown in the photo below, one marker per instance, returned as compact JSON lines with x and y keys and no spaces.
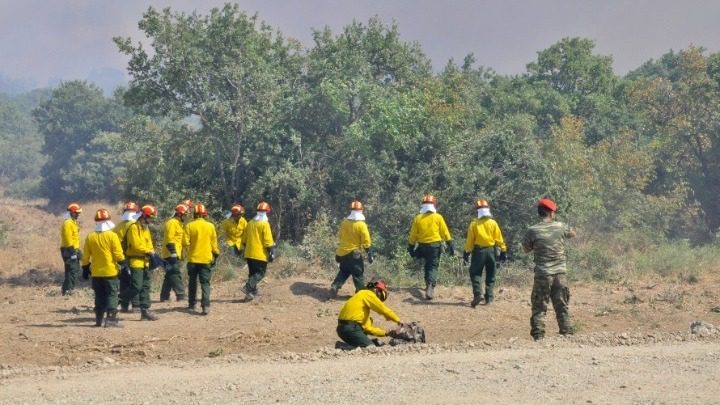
{"x":101,"y":252}
{"x":354,"y":321}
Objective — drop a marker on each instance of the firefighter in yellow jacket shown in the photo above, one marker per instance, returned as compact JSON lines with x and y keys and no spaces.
{"x":257,"y":241}
{"x":139,"y":252}
{"x":200,"y":238}
{"x":354,"y":239}
{"x":70,"y":247}
{"x":172,"y":249}
{"x":129,"y":216}
{"x":484,"y":240}
{"x":233,"y":227}
{"x":101,"y":252}
{"x":427,"y":234}
{"x":354,"y":321}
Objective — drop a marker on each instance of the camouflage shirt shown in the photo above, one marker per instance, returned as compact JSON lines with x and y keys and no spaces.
{"x":547,"y":240}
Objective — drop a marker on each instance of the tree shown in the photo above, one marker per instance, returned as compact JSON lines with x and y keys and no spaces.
{"x":76,"y":113}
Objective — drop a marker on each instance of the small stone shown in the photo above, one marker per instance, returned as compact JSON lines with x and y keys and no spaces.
{"x":108,"y":360}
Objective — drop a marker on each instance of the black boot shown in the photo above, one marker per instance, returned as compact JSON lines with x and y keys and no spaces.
{"x":99,"y":315}
{"x":112,"y":320}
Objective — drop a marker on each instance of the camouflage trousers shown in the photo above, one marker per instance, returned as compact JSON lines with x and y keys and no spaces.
{"x":546,"y":288}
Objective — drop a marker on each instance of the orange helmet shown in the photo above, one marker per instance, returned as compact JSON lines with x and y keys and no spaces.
{"x":149,"y":211}
{"x":380,"y":288}
{"x":264,"y":207}
{"x":74,"y":208}
{"x":181,"y":209}
{"x":237,"y":209}
{"x":102,"y":215}
{"x":429,"y":199}
{"x":187,"y":202}
{"x":481,"y":204}
{"x":130,"y":206}
{"x":356,"y":205}
{"x":547,"y":203}
{"x":200,"y":210}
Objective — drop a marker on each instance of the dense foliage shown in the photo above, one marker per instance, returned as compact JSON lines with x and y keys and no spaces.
{"x":221,"y":108}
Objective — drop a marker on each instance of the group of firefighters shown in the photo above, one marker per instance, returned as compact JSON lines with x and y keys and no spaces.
{"x":129,"y":244}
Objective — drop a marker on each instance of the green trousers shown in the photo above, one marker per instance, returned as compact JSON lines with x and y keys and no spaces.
{"x":202,"y":272}
{"x":353,"y":334}
{"x":546,"y":288}
{"x":350,"y":266}
{"x":483,"y":259}
{"x":72,"y":268}
{"x":430,"y":252}
{"x":172,"y":282}
{"x":257,"y":270}
{"x":106,"y":293}
{"x":139,"y":288}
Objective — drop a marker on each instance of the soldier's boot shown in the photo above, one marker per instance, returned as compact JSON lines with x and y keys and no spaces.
{"x":429,"y":292}
{"x":99,"y":315}
{"x":333,"y":292}
{"x":112,"y":320}
{"x":489,"y":297}
{"x":476,"y":300}
{"x":205,"y":311}
{"x":148,"y":315}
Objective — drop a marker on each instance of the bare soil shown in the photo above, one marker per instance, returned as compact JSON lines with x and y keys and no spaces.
{"x":633,"y":342}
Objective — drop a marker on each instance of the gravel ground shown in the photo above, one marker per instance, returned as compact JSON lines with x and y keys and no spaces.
{"x":603,"y":368}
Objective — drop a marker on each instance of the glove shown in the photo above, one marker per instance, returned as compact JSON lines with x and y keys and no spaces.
{"x":466,"y":258}
{"x":503,"y":257}
{"x":214,"y":259}
{"x":238,"y":251}
{"x":155,"y":261}
{"x":450,"y":248}
{"x":86,"y":272}
{"x":370,"y":256}
{"x":271,"y":254}
{"x":411,"y":250}
{"x":125,"y":269}
{"x":78,"y":253}
{"x":338,"y":259}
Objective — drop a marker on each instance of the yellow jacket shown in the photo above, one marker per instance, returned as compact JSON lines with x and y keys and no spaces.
{"x":429,"y":227}
{"x":353,"y":235}
{"x":201,"y":239}
{"x":357,"y":309}
{"x":234,"y":231}
{"x":484,"y":232}
{"x":256,"y":239}
{"x":121,"y":229}
{"x":70,"y":234}
{"x":102,"y":250}
{"x":139,"y":246}
{"x":173,"y":233}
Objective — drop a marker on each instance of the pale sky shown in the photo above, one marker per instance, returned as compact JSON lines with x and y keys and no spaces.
{"x":71,"y":39}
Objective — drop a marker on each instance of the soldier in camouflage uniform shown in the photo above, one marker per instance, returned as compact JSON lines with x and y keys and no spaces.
{"x":547,"y":241}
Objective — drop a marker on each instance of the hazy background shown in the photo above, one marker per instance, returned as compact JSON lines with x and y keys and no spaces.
{"x":42,"y":42}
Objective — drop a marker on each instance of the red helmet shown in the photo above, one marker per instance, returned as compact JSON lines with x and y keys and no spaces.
{"x":200,"y":210}
{"x":481,"y":204}
{"x":356,"y":205}
{"x":74,"y":208}
{"x":378,"y":285}
{"x":181,"y":209}
{"x":130,"y":206}
{"x":547,"y":203}
{"x":429,"y":199}
{"x":264,"y":207}
{"x":237,"y":209}
{"x":102,"y":215}
{"x":149,"y":211}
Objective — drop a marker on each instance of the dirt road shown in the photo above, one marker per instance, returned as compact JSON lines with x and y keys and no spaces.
{"x":550,"y":372}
